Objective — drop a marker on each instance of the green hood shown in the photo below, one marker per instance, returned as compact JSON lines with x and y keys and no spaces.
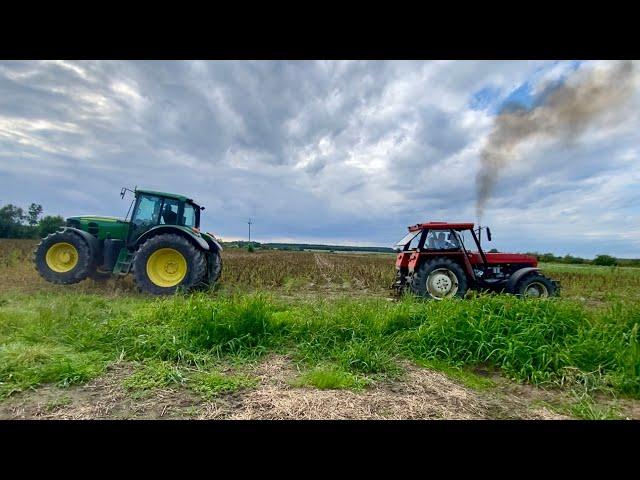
{"x":100,"y":226}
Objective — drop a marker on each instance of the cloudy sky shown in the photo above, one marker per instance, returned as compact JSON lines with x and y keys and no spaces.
{"x":342,"y":152}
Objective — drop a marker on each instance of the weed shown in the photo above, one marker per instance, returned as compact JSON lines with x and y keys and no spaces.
{"x":330,"y":377}
{"x":154,"y":374}
{"x":212,"y":384}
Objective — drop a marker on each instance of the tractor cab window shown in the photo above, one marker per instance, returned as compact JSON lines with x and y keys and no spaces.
{"x":409,"y":238}
{"x":190,"y":217}
{"x":147,"y":210}
{"x":452,"y":240}
{"x":146,"y":214}
{"x":169,"y":215}
{"x":441,"y":240}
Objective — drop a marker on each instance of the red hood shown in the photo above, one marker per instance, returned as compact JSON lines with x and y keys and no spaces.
{"x":474,"y":257}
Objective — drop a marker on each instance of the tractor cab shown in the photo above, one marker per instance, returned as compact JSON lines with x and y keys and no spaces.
{"x":433,"y":236}
{"x":153,"y":208}
{"x":446,"y":246}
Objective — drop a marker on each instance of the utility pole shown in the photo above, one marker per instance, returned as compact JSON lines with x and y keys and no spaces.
{"x":249,"y":222}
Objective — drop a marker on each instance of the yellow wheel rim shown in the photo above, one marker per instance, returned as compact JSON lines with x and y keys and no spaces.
{"x":166,"y":267}
{"x":62,"y":257}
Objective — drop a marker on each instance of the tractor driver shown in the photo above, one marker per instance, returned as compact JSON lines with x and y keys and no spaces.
{"x":169,"y":216}
{"x":441,"y":242}
{"x":452,"y":241}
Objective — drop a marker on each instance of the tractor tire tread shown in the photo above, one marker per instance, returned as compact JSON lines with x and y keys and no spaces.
{"x":218,"y":270}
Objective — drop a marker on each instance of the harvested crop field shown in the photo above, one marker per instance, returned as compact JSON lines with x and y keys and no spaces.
{"x":315,"y":335}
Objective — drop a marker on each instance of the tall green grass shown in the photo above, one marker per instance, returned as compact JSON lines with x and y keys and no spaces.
{"x":67,"y":339}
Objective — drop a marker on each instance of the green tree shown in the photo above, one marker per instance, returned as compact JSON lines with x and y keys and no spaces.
{"x":571,"y":259}
{"x":11,"y":218}
{"x":548,"y":258}
{"x":606,"y":260}
{"x":49,"y":225}
{"x":35,"y":210}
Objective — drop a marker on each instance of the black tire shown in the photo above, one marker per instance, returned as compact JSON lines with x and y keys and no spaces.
{"x":195,"y":259}
{"x":419,"y":281}
{"x":79,"y":272}
{"x":217,"y":270}
{"x":212,"y":276}
{"x":536,"y":281}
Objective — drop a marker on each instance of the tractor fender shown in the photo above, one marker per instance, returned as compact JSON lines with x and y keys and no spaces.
{"x":517,"y":276}
{"x":93,"y":242}
{"x":214,"y":246}
{"x":186,"y":232}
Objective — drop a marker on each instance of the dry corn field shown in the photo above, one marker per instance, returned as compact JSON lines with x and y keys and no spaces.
{"x":308,"y":273}
{"x":285,"y":271}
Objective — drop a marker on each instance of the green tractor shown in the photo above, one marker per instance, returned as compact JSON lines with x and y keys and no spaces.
{"x":161,"y":244}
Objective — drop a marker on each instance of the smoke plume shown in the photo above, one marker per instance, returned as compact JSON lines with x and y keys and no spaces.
{"x":560,"y":113}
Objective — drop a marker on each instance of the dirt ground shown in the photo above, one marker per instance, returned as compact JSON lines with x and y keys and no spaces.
{"x":420,"y":394}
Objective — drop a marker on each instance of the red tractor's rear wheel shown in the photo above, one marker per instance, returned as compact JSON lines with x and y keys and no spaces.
{"x":439,"y":278}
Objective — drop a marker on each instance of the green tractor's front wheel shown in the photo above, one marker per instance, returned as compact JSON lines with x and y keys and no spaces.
{"x":167,"y":262}
{"x":63,"y":258}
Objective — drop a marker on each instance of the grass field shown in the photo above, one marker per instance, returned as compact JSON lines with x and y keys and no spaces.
{"x":324,"y":328}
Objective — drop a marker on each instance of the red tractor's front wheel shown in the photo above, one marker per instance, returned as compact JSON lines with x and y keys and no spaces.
{"x":536,"y":286}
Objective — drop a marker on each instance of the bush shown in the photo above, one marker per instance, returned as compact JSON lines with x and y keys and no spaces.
{"x":605,"y":260}
{"x":573,"y":260}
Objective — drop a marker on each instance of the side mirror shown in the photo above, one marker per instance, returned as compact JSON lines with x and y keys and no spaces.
{"x":488,"y":234}
{"x":122,"y":192}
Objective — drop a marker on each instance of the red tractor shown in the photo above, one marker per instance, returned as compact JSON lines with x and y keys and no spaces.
{"x":433,"y":262}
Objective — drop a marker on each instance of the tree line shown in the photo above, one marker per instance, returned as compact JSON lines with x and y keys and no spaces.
{"x":603,"y":260}
{"x":15,"y":222}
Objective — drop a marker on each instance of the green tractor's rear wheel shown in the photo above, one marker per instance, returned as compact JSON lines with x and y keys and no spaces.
{"x":217,"y":268}
{"x":167,"y":262}
{"x":63,"y":258}
{"x":214,"y":264}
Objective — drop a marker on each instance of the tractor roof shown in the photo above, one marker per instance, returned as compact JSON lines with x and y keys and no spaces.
{"x":440,"y":226}
{"x":176,"y":196}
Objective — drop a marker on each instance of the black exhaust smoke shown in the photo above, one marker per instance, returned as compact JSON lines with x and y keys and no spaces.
{"x":561,"y":113}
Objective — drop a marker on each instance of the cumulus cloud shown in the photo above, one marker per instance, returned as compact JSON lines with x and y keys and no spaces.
{"x":326,"y":151}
